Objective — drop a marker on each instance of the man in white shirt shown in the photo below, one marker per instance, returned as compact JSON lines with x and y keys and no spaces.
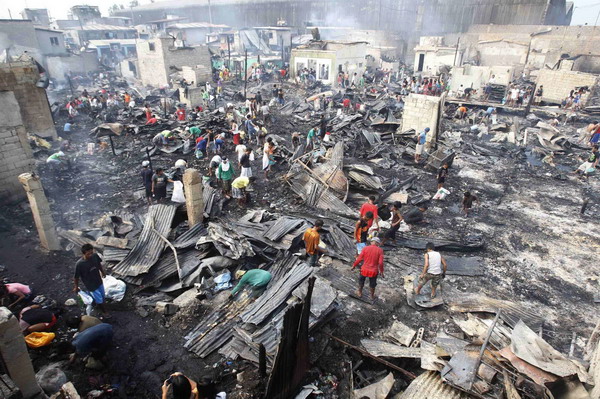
{"x":432,"y":270}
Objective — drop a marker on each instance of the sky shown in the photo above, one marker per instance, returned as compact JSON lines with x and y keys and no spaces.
{"x":586,"y":11}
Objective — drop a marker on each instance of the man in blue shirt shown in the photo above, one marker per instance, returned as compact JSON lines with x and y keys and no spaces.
{"x":421,"y":144}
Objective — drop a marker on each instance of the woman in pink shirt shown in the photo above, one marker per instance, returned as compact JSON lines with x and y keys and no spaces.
{"x":15,"y":290}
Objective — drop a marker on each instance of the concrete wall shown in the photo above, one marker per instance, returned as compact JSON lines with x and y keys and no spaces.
{"x":324,"y":62}
{"x":558,"y":84}
{"x":419,"y":112}
{"x":434,"y":59}
{"x":194,"y":97}
{"x":503,"y":53}
{"x":195,"y":75}
{"x":20,"y":78}
{"x":478,"y":76}
{"x":15,"y":153}
{"x":46,"y":46}
{"x":80,"y":64}
{"x":155,"y":65}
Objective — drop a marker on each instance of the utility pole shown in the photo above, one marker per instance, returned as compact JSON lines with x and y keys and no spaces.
{"x":456,"y":52}
{"x":245,"y":72}
{"x":228,"y":52}
{"x":209,"y":16}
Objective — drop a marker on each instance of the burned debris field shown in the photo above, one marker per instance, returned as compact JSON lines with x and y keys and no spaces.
{"x":289,"y":211}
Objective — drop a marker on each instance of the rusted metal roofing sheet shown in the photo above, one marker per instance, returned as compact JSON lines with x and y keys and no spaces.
{"x":281,"y":227}
{"x":227,"y":241}
{"x":429,"y":385}
{"x":147,"y":250}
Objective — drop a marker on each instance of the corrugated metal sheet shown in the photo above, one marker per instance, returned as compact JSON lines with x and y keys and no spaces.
{"x":281,"y":227}
{"x":278,"y":292}
{"x":188,"y":261}
{"x":429,"y":385}
{"x":190,"y":237}
{"x":147,"y":250}
{"x":366,"y":181}
{"x":227,"y":241}
{"x":511,"y":312}
{"x":114,"y":254}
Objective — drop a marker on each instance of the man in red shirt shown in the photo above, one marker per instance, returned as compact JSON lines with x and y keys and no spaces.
{"x":372,"y":258}
{"x":370,"y":206}
{"x":346,"y":104}
{"x":180,"y":114}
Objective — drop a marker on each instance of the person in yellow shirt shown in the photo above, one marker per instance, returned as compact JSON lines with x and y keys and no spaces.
{"x":238,"y":189}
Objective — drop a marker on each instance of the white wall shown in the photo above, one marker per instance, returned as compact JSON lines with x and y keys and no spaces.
{"x":326,"y":72}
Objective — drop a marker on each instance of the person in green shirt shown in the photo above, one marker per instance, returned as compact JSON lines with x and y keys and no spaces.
{"x":195,"y":132}
{"x":311,"y":137}
{"x":258,"y":279}
{"x":225,"y":173}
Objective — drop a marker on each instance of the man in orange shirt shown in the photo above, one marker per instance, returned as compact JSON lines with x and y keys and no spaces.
{"x":311,"y":239}
{"x":370,"y":206}
{"x":372,"y":258}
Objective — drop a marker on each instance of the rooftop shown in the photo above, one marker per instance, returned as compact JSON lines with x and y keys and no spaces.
{"x":96,"y":27}
{"x":108,"y":42}
{"x":197,"y":25}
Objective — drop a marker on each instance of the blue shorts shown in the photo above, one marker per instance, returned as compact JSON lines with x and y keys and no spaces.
{"x":360,"y":246}
{"x":97,"y":295}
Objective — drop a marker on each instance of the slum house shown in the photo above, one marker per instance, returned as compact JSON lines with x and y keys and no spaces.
{"x":80,"y":35}
{"x":408,"y":18}
{"x":329,"y":58}
{"x":194,"y":33}
{"x":432,"y":56}
{"x":39,"y":16}
{"x":26,"y":114}
{"x":158,"y":58}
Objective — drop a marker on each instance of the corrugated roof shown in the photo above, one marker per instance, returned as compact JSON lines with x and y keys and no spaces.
{"x":190,"y":237}
{"x":197,"y":25}
{"x":277,"y":293}
{"x":149,"y":247}
{"x":429,"y":385}
{"x":96,"y":27}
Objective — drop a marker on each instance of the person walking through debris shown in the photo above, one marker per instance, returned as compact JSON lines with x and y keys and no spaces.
{"x":159,"y":185}
{"x":257,"y":279}
{"x":268,"y":156}
{"x":432,"y":270}
{"x":312,"y":238}
{"x":415,"y":215}
{"x":467,"y":202}
{"x":244,"y":161}
{"x":311,"y":138}
{"x":180,"y":114}
{"x":214,"y":164}
{"x":147,"y":180}
{"x":421,"y":140}
{"x":370,"y":206}
{"x":361,"y":231}
{"x":589,"y":166}
{"x":346,"y":105}
{"x":396,"y":220}
{"x":239,"y":187}
{"x":15,"y":292}
{"x":372,"y":266}
{"x":280,"y":97}
{"x":225,"y":174}
{"x":537,"y":99}
{"x":250,"y":127}
{"x":89,"y":269}
{"x":441,"y":175}
{"x":35,"y":319}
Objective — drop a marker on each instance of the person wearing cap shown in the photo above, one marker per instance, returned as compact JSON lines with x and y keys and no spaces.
{"x":372,"y":266}
{"x":421,"y":140}
{"x":147,"y":180}
{"x":58,"y":159}
{"x":257,"y":279}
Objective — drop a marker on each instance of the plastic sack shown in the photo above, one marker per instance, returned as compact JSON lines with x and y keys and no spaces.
{"x":85,"y":298}
{"x":441,"y":194}
{"x":113,"y":288}
{"x":403,"y":226}
{"x":39,"y":339}
{"x":178,"y":195}
{"x":223,"y":281}
{"x":251,"y":156}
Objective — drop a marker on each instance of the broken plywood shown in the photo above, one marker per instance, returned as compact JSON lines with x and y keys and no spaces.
{"x":400,"y":333}
{"x":386,"y":349}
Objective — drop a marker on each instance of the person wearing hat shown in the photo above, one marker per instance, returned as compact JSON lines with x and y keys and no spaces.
{"x":257,"y":279}
{"x":372,"y":266}
{"x":422,"y":138}
{"x":147,"y":180}
{"x":58,"y":159}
